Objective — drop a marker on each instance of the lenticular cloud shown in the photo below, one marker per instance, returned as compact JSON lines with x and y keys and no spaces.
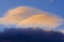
{"x":29,"y":16}
{"x":44,"y":20}
{"x":16,"y":15}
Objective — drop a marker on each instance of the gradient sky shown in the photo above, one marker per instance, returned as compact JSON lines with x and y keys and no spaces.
{"x":52,"y":6}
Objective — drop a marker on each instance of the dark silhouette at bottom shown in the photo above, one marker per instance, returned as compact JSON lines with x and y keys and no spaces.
{"x":30,"y":35}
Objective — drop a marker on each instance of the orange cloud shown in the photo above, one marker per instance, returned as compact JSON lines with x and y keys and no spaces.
{"x":46,"y":20}
{"x":29,"y":16}
{"x":15,"y":15}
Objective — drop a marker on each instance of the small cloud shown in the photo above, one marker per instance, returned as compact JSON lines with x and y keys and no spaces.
{"x":62,"y":30}
{"x":51,"y":0}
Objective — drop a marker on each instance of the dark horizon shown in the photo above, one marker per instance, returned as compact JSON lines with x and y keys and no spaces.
{"x":30,"y":35}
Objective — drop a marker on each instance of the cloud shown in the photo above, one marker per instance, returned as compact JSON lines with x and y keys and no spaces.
{"x":47,"y":20}
{"x":15,"y":15}
{"x":61,"y":29}
{"x":30,"y":35}
{"x":51,"y":0}
{"x":29,"y":16}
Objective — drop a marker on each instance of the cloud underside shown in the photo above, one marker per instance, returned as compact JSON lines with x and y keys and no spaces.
{"x":28,"y":17}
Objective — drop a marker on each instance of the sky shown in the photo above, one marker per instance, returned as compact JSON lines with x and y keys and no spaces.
{"x":55,"y":7}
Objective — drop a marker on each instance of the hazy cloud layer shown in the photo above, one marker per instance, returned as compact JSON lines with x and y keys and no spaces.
{"x":29,"y":16}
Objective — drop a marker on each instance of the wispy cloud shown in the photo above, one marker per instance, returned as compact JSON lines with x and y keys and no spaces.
{"x":61,"y":29}
{"x":50,"y":0}
{"x":29,"y":16}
